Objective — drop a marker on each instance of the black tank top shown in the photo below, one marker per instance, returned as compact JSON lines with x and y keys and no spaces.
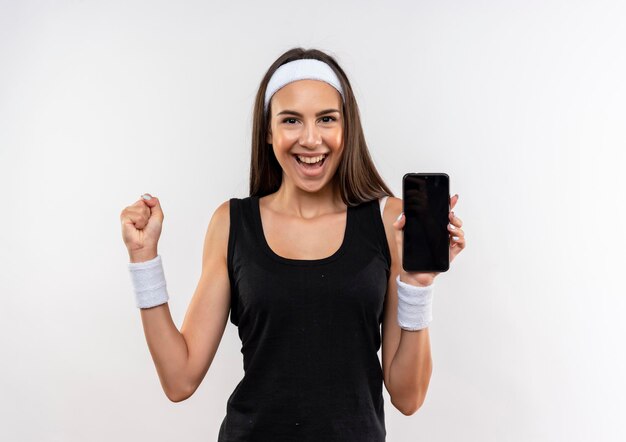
{"x":310,"y":334}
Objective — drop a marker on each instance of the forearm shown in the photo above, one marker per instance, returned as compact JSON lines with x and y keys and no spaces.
{"x":411,"y":366}
{"x":411,"y":369}
{"x":167,"y":345}
{"x":168,"y":349}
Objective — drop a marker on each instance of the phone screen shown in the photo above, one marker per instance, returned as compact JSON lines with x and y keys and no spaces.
{"x":426,"y":238}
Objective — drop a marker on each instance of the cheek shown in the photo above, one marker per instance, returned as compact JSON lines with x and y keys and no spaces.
{"x":282,"y":138}
{"x":338,"y":139}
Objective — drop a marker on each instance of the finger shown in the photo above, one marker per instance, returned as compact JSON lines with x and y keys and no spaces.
{"x":455,"y":220}
{"x":456,"y":248}
{"x":453,"y":201}
{"x":457,"y":240}
{"x":142,"y":207}
{"x":139,"y":203}
{"x":139,"y":211}
{"x":455,"y":230}
{"x":399,"y":222}
{"x":155,"y":206}
{"x":135,"y":217}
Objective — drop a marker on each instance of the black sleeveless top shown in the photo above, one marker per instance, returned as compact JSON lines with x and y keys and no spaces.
{"x":310,"y":334}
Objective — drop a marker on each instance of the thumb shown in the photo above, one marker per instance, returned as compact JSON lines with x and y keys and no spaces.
{"x":400,"y":221}
{"x":154,"y":204}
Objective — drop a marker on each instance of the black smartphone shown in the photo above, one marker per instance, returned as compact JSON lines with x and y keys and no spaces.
{"x":425,"y":237}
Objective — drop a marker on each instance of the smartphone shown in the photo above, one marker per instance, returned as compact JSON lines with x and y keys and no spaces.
{"x":425,"y":237}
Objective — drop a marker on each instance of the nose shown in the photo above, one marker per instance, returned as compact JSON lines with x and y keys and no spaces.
{"x":311,"y":136}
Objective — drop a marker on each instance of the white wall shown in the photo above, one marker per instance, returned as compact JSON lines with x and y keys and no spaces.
{"x":520,"y":102}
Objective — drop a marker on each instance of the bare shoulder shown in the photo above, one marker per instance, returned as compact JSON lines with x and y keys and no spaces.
{"x":222,"y":213}
{"x":217,"y":232}
{"x":393,"y":208}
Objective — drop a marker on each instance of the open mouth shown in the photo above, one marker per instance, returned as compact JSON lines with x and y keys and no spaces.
{"x":311,"y":165}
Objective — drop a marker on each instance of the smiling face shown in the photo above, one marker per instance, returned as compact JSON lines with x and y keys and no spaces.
{"x":307,"y":120}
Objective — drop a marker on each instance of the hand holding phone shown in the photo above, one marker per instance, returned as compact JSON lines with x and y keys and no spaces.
{"x":425,"y":237}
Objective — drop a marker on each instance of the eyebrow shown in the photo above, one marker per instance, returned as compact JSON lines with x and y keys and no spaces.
{"x":298,"y":114}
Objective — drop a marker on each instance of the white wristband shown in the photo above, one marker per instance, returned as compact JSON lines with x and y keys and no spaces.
{"x":148,"y":282}
{"x":415,"y":305}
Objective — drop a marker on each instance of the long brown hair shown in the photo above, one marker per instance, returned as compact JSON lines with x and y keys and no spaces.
{"x":356,"y":174}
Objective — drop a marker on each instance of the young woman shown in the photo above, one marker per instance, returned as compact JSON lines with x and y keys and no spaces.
{"x":308,"y":266}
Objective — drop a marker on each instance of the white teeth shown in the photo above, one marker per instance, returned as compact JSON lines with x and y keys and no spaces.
{"x":311,"y":160}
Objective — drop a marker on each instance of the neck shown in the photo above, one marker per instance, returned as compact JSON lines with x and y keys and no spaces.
{"x":295,"y":201}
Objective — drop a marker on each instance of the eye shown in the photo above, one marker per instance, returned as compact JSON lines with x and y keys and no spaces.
{"x":331,"y":119}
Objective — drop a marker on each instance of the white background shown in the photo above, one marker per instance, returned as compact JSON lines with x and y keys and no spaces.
{"x":522,"y":103}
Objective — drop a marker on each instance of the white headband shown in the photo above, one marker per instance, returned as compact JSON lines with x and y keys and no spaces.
{"x":302,"y":69}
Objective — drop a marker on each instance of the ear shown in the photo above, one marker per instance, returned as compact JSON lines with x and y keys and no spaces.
{"x":268,"y":139}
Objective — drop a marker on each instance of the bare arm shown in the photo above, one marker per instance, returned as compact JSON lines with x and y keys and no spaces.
{"x":406,"y":355}
{"x":182,"y":358}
